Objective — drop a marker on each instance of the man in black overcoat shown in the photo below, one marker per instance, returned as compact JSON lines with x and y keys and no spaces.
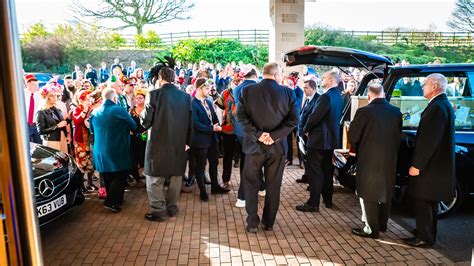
{"x":267,"y":112}
{"x":168,"y":115}
{"x":432,"y":174}
{"x":308,"y":105}
{"x":323,"y":131}
{"x":375,"y":135}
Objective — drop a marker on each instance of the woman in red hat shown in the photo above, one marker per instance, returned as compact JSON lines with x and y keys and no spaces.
{"x":82,"y":138}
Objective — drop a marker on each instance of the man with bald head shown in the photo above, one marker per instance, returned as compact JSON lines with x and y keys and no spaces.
{"x":267,"y":113}
{"x":432,"y":176}
{"x":118,"y":87}
{"x":323,"y":131}
{"x":375,"y":135}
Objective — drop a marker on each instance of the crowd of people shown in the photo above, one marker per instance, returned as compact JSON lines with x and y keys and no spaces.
{"x":128,"y":128}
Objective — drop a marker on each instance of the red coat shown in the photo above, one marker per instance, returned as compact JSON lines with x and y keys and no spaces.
{"x":81,"y":132}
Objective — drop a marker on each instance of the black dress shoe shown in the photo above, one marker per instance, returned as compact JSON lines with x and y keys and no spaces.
{"x":252,"y":229}
{"x":361,"y":233}
{"x":113,"y":208}
{"x":204,"y":197}
{"x":153,"y":218}
{"x":267,"y":228}
{"x":307,"y":208}
{"x":418,"y":243}
{"x":308,"y":188}
{"x":328,"y":205}
{"x":219,"y":190}
{"x":172,"y":213}
{"x":383,"y":229}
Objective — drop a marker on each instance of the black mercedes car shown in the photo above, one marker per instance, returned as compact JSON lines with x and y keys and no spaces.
{"x":57,"y":181}
{"x":402,"y":85}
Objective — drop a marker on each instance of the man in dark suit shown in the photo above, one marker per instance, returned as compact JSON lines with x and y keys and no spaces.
{"x":205,"y":140}
{"x":267,"y":112}
{"x":168,"y":114}
{"x":432,"y":174}
{"x":323,"y":132}
{"x":375,"y":135}
{"x":311,"y":98}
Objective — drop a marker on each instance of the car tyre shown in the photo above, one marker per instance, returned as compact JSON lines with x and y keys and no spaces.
{"x":79,"y":198}
{"x":446,"y":208}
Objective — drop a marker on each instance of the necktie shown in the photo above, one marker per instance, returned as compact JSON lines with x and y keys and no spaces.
{"x":208,"y":111}
{"x":31,"y":110}
{"x":305,"y":103}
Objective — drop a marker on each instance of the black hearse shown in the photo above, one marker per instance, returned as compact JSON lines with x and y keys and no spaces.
{"x":402,"y":85}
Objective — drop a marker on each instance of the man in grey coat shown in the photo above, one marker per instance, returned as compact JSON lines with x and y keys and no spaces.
{"x":169,"y":118}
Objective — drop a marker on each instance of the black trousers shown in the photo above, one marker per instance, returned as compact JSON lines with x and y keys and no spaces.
{"x":319,"y":171}
{"x":115,"y":187}
{"x":201,"y":155}
{"x":273,"y":164}
{"x":241,"y":192}
{"x":377,"y":214}
{"x":229,"y":141}
{"x":426,"y":215}
{"x":289,"y":155}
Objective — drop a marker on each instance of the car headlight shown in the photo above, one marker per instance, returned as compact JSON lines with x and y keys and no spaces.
{"x":71,"y":167}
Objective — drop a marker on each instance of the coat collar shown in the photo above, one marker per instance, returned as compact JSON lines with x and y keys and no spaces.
{"x":333,"y":88}
{"x":379,"y":101}
{"x":201,"y":106}
{"x":168,"y":86}
{"x":109,"y":102}
{"x":248,"y":81}
{"x":441,"y":96}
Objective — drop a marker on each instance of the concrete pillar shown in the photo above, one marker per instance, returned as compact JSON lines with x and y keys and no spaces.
{"x":288,"y":27}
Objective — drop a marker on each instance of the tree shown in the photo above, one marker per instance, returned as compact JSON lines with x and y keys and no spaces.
{"x":134,"y":13}
{"x":219,"y":50}
{"x":36,"y":30}
{"x":148,"y":40}
{"x":462,"y":17}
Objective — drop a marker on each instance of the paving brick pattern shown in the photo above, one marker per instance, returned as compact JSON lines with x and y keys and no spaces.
{"x":214,"y":233}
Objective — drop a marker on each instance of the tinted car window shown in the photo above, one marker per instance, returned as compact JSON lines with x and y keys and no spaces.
{"x":408,"y":96}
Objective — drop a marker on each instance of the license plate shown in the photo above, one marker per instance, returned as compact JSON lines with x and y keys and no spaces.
{"x":51,"y":206}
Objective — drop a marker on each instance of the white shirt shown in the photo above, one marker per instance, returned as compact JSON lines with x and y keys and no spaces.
{"x":310,"y":97}
{"x":38,"y":102}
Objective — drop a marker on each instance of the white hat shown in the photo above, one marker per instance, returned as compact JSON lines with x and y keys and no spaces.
{"x":246,"y":68}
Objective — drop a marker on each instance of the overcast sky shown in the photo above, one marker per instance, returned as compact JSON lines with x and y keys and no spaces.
{"x":254,"y":14}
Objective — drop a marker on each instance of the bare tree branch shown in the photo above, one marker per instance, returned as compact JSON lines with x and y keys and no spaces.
{"x":462,"y":17}
{"x":134,"y":13}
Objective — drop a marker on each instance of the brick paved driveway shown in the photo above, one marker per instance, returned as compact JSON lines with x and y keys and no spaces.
{"x":214,"y":233}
